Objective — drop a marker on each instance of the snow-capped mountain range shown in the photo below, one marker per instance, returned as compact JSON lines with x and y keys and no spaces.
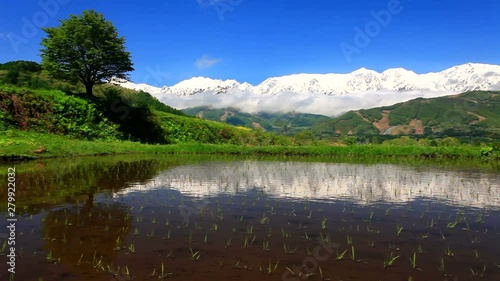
{"x":461,"y":78}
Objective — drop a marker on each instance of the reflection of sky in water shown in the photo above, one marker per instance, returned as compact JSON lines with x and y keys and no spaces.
{"x":363,"y":183}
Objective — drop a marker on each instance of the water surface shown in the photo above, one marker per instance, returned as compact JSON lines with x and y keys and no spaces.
{"x":138,"y":218}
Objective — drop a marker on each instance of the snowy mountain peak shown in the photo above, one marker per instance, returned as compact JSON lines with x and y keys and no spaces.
{"x":363,"y":71}
{"x":470,"y":76}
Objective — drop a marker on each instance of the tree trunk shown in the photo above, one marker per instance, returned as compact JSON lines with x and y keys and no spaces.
{"x":88,"y":88}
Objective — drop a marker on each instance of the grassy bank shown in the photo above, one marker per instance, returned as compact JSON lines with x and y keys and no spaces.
{"x":16,"y":144}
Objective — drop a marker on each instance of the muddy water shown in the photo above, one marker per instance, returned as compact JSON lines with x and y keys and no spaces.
{"x":199,"y":219}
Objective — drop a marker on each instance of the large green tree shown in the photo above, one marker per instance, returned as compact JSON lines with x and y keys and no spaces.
{"x":85,"y":48}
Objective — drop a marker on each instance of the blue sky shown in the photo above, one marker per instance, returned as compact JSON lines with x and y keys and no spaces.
{"x":251,"y":40}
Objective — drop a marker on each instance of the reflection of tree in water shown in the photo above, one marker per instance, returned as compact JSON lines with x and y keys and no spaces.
{"x":42,"y":188}
{"x":89,"y":229}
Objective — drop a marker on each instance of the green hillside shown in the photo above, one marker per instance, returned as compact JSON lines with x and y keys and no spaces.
{"x":470,"y":114}
{"x":281,"y":123}
{"x":31,"y":101}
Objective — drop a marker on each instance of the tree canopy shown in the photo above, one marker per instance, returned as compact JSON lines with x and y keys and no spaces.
{"x":85,"y":48}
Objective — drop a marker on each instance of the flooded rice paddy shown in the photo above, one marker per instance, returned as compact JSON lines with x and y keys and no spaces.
{"x":119,"y":218}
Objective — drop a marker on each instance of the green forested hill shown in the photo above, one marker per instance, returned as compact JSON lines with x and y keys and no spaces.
{"x":475,"y":114}
{"x":282,"y":123}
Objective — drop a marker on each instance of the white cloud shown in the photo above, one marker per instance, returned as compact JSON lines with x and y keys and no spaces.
{"x":286,"y":102}
{"x":206,"y":61}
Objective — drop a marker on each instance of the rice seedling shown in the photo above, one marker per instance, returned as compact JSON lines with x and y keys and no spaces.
{"x":265,"y":245}
{"x":420,"y":250}
{"x":449,"y":252}
{"x":112,"y":270}
{"x":291,"y":272}
{"x":118,"y":244}
{"x":393,"y":246}
{"x":284,"y":233}
{"x":431,"y":223}
{"x":264,"y":219}
{"x":270,"y":269}
{"x":237,"y":265}
{"x":399,"y":228}
{"x":253,"y":240}
{"x":389,"y":260}
{"x":306,"y":236}
{"x":131,"y":248}
{"x":309,"y":251}
{"x":288,"y":250}
{"x":369,"y":219}
{"x":97,"y":264}
{"x":247,"y":244}
{"x":164,"y":274}
{"x":340,"y":256}
{"x":475,"y":241}
{"x":67,"y":222}
{"x":228,"y":242}
{"x":353,"y":255}
{"x":152,"y":233}
{"x":310,"y":214}
{"x":476,"y":254}
{"x":324,"y":237}
{"x":195,"y":256}
{"x":250,"y":230}
{"x":479,"y":218}
{"x":442,"y":235}
{"x":128,"y":275}
{"x":190,"y":239}
{"x":323,"y":224}
{"x":413,"y":261}
{"x":349,"y":240}
{"x":80,"y":260}
{"x":441,"y":267}
{"x":479,"y":273}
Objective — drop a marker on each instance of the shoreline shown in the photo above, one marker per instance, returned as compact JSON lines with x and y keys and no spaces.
{"x":24,"y":146}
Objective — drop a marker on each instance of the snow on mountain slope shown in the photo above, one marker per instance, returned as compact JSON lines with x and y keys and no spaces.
{"x":466,"y":77}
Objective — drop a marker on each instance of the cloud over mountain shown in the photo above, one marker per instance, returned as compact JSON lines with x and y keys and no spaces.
{"x":329,"y":94}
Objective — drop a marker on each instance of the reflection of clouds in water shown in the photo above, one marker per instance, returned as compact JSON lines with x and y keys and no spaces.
{"x":286,"y":102}
{"x":363,"y":183}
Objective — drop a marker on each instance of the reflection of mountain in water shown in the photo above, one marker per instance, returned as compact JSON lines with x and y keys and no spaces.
{"x":363,"y":183}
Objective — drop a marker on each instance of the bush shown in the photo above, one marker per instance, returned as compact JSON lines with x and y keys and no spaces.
{"x":449,"y":141}
{"x":51,"y":111}
{"x":402,"y":141}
